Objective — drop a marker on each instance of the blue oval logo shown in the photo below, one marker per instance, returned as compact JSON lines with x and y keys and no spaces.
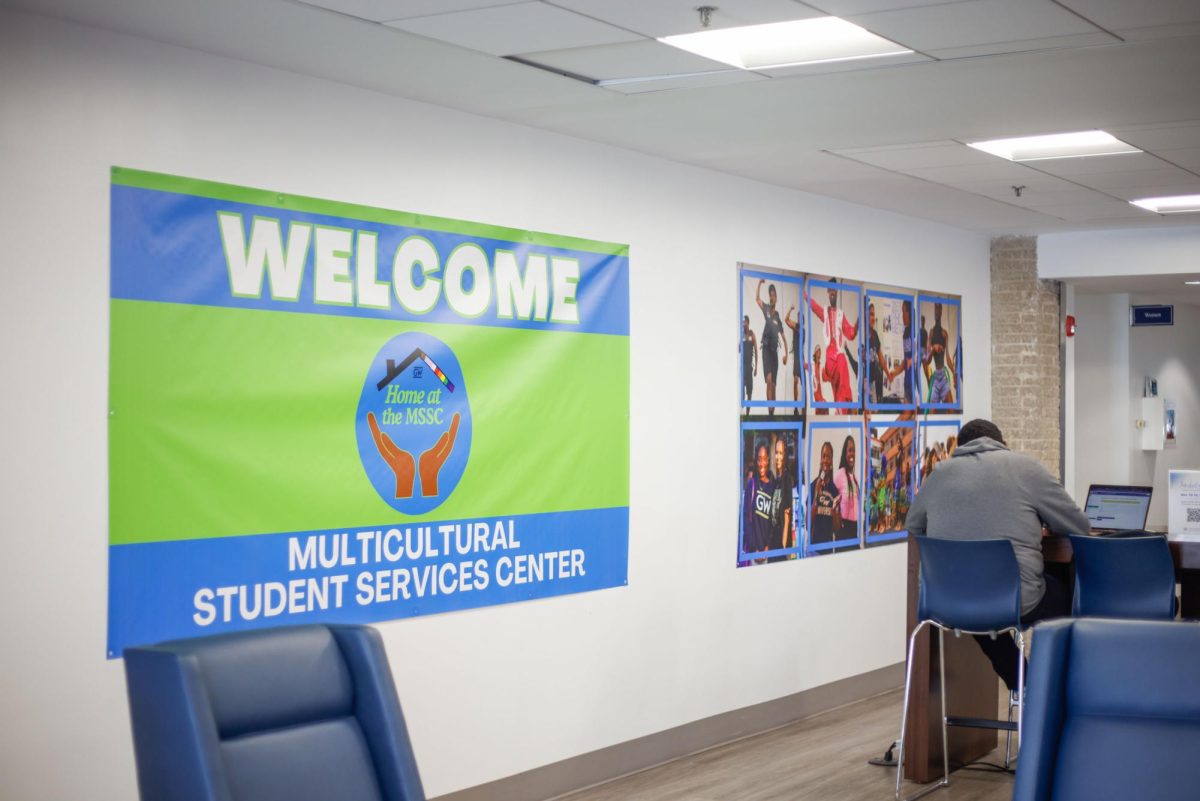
{"x":413,"y":424}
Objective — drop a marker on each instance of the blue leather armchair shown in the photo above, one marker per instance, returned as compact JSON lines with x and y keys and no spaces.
{"x":1113,"y":712}
{"x":290,"y":714}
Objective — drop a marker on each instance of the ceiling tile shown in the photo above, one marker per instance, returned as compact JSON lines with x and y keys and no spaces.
{"x":788,"y":165}
{"x":920,"y":199}
{"x":845,"y":8}
{"x":518,"y":28}
{"x":1160,"y":137}
{"x":1188,"y":158}
{"x":717,"y":78}
{"x":1159,"y":32}
{"x":1116,"y":211}
{"x":994,"y":170}
{"x":1034,"y":192}
{"x":1023,"y":46}
{"x":849,"y":65}
{"x":385,"y":10}
{"x":627,"y":60}
{"x":907,"y":157}
{"x":669,"y":17}
{"x":1092,"y":165}
{"x":1144,"y":183}
{"x":974,"y":22}
{"x":1118,"y":14}
{"x":1092,"y":200}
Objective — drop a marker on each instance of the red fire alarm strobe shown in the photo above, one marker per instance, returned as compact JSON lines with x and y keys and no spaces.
{"x":1070,"y":325}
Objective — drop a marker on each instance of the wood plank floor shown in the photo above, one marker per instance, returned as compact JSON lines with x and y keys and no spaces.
{"x":823,"y":757}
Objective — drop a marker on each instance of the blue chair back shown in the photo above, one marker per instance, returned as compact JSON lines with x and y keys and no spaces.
{"x":973,"y":585}
{"x":305,"y":713}
{"x":1130,"y":577}
{"x":1112,"y":711}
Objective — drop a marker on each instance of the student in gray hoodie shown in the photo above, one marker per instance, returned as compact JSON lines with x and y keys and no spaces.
{"x":985,"y":491}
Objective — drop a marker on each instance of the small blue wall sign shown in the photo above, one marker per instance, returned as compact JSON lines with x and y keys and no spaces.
{"x":1151,"y":315}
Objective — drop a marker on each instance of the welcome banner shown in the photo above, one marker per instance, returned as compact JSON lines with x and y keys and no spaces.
{"x":328,"y":412}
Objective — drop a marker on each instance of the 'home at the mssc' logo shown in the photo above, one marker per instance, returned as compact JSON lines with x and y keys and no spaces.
{"x":413,"y":424}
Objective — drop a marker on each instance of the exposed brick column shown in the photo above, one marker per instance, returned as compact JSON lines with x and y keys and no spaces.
{"x":1026,"y":360}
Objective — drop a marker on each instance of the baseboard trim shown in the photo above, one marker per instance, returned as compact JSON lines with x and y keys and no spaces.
{"x":622,"y":759}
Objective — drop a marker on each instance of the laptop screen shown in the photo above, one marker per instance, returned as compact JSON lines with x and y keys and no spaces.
{"x":1117,"y":507}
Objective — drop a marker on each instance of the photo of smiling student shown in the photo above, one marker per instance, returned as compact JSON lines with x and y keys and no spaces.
{"x":835,"y":494}
{"x":770,"y":477}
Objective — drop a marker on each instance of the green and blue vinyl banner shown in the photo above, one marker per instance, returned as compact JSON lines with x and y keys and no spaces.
{"x":328,"y":412}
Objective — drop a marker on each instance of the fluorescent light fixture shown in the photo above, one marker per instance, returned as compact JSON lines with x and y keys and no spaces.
{"x":1192,"y":283}
{"x":786,"y":44}
{"x":1178,"y":204}
{"x":1055,"y":146}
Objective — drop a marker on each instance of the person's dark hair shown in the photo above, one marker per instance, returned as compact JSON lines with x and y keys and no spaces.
{"x":979,"y":428}
{"x":846,"y":450}
{"x":843,"y":464}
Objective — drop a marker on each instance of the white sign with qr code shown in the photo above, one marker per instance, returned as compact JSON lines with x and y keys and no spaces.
{"x":1183,"y":515}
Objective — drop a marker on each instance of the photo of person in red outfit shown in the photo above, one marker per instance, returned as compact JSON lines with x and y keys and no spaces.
{"x":833,"y":327}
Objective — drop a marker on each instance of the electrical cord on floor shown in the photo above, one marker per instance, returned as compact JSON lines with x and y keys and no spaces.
{"x":982,"y":767}
{"x":888,"y":760}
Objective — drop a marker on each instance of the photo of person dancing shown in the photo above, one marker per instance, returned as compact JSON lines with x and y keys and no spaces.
{"x":941,"y":377}
{"x":772,"y":338}
{"x":838,"y":333}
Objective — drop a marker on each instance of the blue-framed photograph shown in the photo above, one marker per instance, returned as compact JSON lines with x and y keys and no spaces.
{"x":834,"y":491}
{"x":833,"y":347}
{"x":891,"y":367}
{"x":939,"y":438}
{"x":939,"y":367}
{"x":771,"y":376}
{"x":890,"y":475}
{"x":770,"y":527}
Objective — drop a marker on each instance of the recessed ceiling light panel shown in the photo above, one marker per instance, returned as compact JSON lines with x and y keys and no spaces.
{"x":1178,"y":204}
{"x":786,"y":44}
{"x":1055,"y":146}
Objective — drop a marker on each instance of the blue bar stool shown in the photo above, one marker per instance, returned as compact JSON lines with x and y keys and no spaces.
{"x":971,"y":587}
{"x":1126,"y":577}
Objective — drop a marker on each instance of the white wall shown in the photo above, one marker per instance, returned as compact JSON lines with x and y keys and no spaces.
{"x":1103,"y":415}
{"x":490,"y":692}
{"x":1111,"y":361}
{"x":1132,"y":251}
{"x":1108,"y":360}
{"x":1171,"y":355}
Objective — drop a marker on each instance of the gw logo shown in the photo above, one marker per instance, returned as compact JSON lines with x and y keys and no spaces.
{"x":762,"y":504}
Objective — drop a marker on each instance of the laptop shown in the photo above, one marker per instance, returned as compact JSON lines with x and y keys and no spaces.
{"x":1112,"y":509}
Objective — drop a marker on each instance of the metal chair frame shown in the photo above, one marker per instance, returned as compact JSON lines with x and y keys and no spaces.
{"x":1018,"y":636}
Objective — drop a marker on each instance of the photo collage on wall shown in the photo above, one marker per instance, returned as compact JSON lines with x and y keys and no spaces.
{"x":849,"y":396}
